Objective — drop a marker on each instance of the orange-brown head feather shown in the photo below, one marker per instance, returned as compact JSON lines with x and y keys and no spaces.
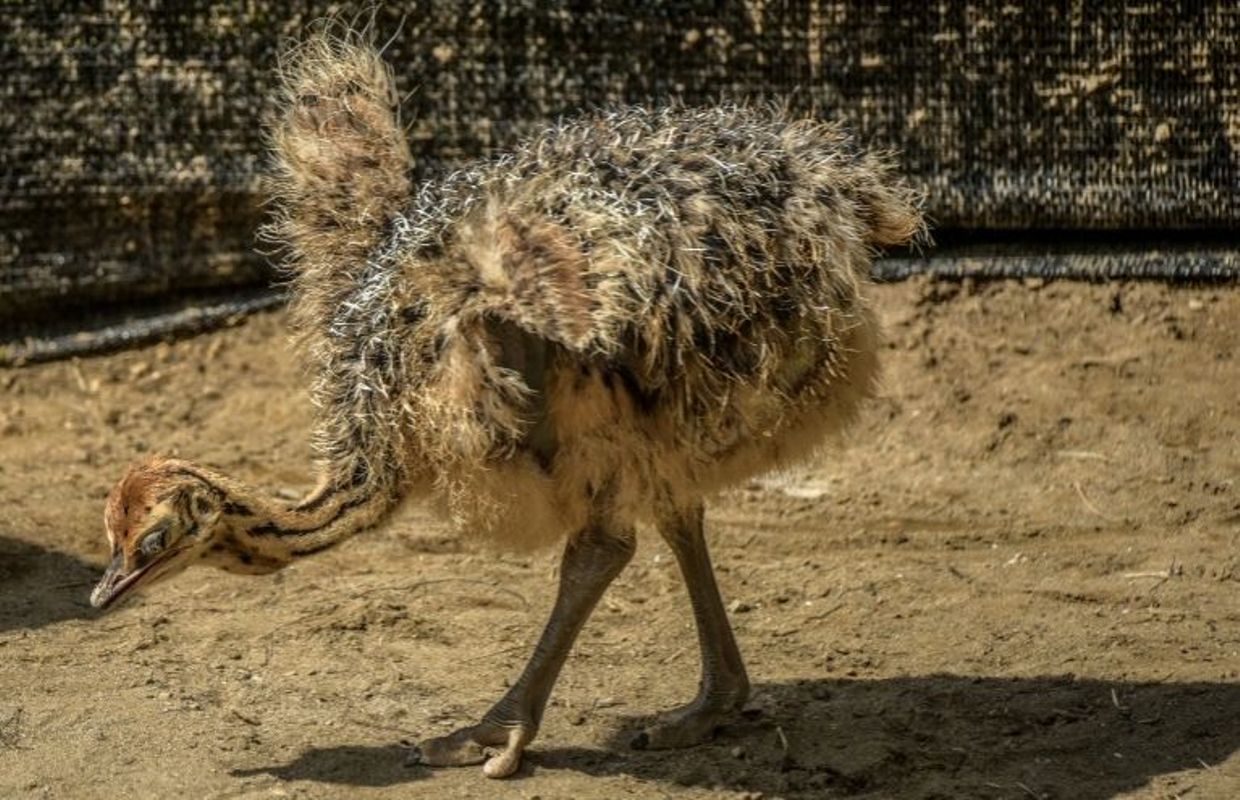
{"x":158,"y":518}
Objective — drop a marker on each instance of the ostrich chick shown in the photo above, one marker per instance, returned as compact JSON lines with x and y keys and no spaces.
{"x":623,"y":315}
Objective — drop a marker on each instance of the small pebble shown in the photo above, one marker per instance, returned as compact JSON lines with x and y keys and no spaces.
{"x":739,"y":607}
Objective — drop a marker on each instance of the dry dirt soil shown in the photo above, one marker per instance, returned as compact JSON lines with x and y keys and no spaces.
{"x":1022,"y":580}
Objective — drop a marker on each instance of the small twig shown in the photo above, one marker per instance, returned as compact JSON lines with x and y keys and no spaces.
{"x":1118,"y":361}
{"x":783,"y":740}
{"x":80,"y":376}
{"x":673,"y":656}
{"x":244,"y":718}
{"x":1115,"y":701}
{"x":1028,"y":791}
{"x":962,"y":576}
{"x":1089,"y":505}
{"x":824,"y":614}
{"x":1160,"y":576}
{"x":1082,"y":455}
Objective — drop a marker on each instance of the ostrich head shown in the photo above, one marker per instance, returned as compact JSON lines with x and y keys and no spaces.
{"x":160,"y":517}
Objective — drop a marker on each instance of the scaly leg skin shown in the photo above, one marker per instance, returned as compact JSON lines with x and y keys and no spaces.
{"x":724,"y":686}
{"x":591,"y":561}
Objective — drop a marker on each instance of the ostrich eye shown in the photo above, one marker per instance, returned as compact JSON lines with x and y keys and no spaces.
{"x":153,"y":542}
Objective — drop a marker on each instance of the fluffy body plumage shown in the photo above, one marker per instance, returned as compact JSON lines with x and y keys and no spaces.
{"x":643,"y":304}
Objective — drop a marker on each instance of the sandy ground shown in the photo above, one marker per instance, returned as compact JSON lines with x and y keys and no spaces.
{"x":1021,"y":581}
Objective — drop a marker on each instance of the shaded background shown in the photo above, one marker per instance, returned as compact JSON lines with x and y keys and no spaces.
{"x":132,"y":147}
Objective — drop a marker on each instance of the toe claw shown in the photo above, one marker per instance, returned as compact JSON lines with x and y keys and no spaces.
{"x":502,"y":764}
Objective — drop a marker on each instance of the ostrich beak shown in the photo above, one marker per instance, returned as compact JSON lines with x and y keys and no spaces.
{"x":114,"y":583}
{"x":117,"y":583}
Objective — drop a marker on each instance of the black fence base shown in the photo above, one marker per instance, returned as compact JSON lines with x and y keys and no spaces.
{"x":1172,"y":262}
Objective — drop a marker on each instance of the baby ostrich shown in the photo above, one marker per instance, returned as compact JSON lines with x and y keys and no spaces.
{"x":595,"y":331}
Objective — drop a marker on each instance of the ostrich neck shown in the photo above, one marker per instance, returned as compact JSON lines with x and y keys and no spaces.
{"x":260,"y":533}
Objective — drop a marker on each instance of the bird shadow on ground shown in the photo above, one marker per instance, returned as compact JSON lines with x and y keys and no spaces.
{"x":353,"y":765}
{"x":919,"y":737}
{"x":39,"y":586}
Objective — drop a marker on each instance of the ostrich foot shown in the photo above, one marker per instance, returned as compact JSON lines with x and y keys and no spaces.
{"x":688,"y":725}
{"x":496,"y":746}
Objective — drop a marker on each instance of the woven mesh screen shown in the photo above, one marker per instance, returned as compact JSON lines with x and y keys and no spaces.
{"x":131,"y":143}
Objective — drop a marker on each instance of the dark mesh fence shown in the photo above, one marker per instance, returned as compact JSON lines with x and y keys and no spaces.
{"x":131,"y":140}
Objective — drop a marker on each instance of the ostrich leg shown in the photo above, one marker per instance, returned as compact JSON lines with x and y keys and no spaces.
{"x":590,"y":562}
{"x":724,"y":686}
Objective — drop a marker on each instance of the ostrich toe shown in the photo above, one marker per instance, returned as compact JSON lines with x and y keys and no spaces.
{"x":498,"y":747}
{"x":688,"y":725}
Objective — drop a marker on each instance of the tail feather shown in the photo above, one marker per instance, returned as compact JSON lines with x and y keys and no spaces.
{"x":342,"y":163}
